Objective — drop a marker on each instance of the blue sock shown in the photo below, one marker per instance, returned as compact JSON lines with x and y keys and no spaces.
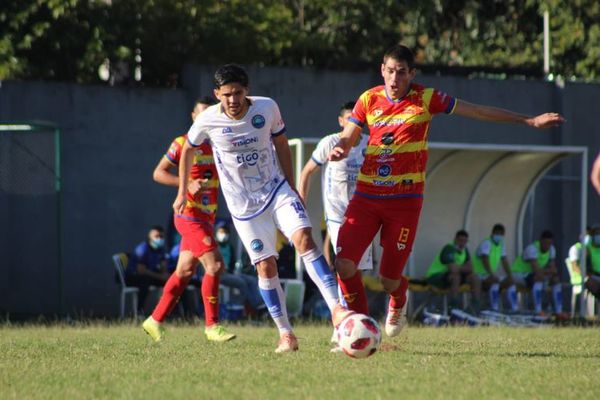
{"x":495,"y":296}
{"x":512,"y":297}
{"x":557,"y":297}
{"x":318,"y":270}
{"x":537,"y":296}
{"x":274,"y":298}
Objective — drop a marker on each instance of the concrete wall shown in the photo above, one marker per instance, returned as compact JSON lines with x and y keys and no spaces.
{"x":113,"y":137}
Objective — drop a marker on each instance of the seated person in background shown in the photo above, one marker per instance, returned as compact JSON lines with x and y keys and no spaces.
{"x":574,"y":259}
{"x":148,"y":264}
{"x":246,"y":284}
{"x":593,"y":262}
{"x":489,"y":254}
{"x":536,"y":267}
{"x":452,"y":267}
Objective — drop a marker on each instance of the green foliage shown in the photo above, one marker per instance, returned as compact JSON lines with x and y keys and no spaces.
{"x":120,"y":362}
{"x":68,"y":40}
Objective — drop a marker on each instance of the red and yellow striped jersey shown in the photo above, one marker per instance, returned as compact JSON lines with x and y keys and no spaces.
{"x":396,"y":155}
{"x":202,"y":206}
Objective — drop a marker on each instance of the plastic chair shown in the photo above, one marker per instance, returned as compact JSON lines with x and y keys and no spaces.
{"x":294,"y":296}
{"x":120,"y":262}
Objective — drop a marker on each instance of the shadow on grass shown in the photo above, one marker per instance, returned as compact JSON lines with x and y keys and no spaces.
{"x":516,"y":354}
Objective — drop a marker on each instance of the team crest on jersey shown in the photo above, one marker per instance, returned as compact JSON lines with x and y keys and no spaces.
{"x":205,"y":200}
{"x":258,"y":121}
{"x":257,"y":245}
{"x":227,"y":130}
{"x":384,"y":170}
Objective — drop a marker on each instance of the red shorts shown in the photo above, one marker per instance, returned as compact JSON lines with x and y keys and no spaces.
{"x":196,"y":236}
{"x":398,"y":219}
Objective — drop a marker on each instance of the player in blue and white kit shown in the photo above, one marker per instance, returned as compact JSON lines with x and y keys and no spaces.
{"x":253,"y":159}
{"x":338,"y":183}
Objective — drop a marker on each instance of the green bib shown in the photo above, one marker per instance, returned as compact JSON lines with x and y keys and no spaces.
{"x":521,"y":265}
{"x":494,"y":258}
{"x":437,"y":267}
{"x":594,"y":253}
{"x":575,"y":276}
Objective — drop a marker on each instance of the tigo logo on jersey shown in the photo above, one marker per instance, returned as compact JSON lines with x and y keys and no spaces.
{"x":256,"y":245}
{"x":258,"y":121}
{"x":248,"y":158}
{"x":227,"y":130}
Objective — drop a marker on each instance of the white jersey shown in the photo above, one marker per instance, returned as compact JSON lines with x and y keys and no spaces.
{"x":338,"y":178}
{"x":485,"y":248}
{"x":531,"y":252}
{"x":244,"y":154}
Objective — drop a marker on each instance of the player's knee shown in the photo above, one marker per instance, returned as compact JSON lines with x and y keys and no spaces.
{"x":267,"y":268}
{"x":345,"y":268}
{"x":186,"y":265}
{"x":303,"y":240}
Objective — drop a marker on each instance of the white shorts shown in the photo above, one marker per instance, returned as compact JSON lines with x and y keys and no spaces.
{"x":520,"y":278}
{"x":259,"y":234}
{"x":366,"y":261}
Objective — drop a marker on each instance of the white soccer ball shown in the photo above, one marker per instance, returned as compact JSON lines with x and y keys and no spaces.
{"x":359,"y":335}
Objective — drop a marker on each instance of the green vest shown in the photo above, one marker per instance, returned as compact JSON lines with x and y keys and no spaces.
{"x":521,"y":265}
{"x":594,"y":253}
{"x":437,"y":267}
{"x":494,"y":258}
{"x":575,"y":276}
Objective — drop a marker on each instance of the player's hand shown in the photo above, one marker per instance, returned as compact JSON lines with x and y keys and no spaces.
{"x":337,"y":154}
{"x":195,"y":185}
{"x":179,"y":204}
{"x":547,"y":120}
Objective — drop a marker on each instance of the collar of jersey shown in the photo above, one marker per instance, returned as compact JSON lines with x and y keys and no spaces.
{"x":399,"y":99}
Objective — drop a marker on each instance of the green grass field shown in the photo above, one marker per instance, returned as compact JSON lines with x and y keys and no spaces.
{"x":112,"y":361}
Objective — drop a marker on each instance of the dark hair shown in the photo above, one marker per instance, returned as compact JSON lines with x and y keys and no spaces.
{"x":400,"y":52}
{"x":230,"y":73}
{"x":498,"y":228}
{"x":347,"y":106}
{"x":157,"y":228}
{"x":208,"y":100}
{"x":462,"y":233}
{"x":546,"y":235}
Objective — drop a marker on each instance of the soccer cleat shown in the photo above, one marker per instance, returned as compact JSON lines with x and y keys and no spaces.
{"x":562,"y":316}
{"x":287,"y":343}
{"x":218,"y":333}
{"x":154,"y":329}
{"x":339,"y":314}
{"x":395,"y":321}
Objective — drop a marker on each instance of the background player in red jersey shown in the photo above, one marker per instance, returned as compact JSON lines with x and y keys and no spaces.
{"x":389,"y":192}
{"x":197,"y":244}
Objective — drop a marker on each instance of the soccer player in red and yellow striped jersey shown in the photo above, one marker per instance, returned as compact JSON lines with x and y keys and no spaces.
{"x":389,"y":191}
{"x":195,"y":225}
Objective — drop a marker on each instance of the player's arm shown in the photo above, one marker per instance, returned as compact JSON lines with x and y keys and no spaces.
{"x":534,"y":266}
{"x":284,"y":155}
{"x":304,"y":185}
{"x":349,"y":136}
{"x":185,"y":166}
{"x":163,"y":173}
{"x":506,"y":267}
{"x":551,"y":267}
{"x":495,"y":114}
{"x":595,"y":175}
{"x":485,"y":260}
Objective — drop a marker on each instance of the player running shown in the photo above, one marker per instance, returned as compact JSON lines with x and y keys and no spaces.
{"x":195,"y":225}
{"x":253,"y":159}
{"x":389,"y":191}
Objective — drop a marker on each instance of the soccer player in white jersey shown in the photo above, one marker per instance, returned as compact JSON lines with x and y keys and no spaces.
{"x":253,"y":158}
{"x":338,"y":179}
{"x":338,"y":182}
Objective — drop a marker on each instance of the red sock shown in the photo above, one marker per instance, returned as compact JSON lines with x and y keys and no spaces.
{"x":354,"y":293}
{"x":210,"y":298}
{"x":171,"y":293}
{"x":398,"y":296}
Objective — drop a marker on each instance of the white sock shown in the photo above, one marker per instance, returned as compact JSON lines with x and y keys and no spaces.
{"x":318,"y":270}
{"x":272,"y":293}
{"x":495,"y":296}
{"x":537,"y":296}
{"x":512,"y":297}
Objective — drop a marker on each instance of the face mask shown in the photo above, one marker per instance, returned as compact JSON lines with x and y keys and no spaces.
{"x":597,"y":240}
{"x":222,"y":237}
{"x":497,"y":238}
{"x":157,"y":243}
{"x":587,"y":239}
